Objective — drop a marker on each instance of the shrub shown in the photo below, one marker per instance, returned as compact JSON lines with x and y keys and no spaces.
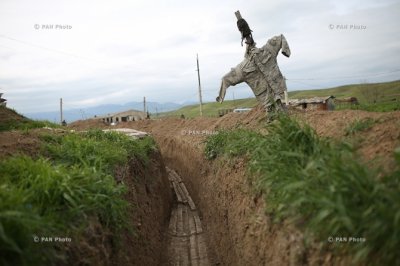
{"x":309,"y":179}
{"x":39,"y":198}
{"x":52,"y":197}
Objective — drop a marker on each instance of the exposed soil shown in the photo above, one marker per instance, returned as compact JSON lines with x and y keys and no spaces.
{"x":8,"y":115}
{"x":239,"y":231}
{"x":149,"y":195}
{"x":17,"y":142}
{"x":151,"y":199}
{"x":216,"y":218}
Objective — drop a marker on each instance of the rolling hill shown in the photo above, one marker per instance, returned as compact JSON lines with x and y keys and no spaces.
{"x":365,"y":93}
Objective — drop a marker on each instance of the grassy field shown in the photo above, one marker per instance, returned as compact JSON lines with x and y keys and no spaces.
{"x":211,"y":109}
{"x":365,"y":93}
{"x":320,"y":186}
{"x":60,"y":192}
{"x":372,"y":97}
{"x":11,"y":120}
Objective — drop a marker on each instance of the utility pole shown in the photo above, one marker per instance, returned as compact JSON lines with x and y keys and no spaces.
{"x":144,"y":105}
{"x":61,"y":111}
{"x":200,"y":98}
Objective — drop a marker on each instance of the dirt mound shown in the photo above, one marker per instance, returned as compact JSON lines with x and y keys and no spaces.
{"x":375,"y":143}
{"x":149,"y":197}
{"x":16,"y":142}
{"x":8,"y":115}
{"x":239,"y":232}
{"x":87,"y":124}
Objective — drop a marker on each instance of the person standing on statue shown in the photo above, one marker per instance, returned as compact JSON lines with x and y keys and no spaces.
{"x":259,"y":69}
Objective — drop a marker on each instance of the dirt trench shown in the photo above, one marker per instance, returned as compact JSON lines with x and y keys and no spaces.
{"x":239,"y":233}
{"x":186,"y":241}
{"x":235,"y":228}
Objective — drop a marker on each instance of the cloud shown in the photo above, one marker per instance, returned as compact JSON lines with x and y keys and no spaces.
{"x":121,"y":51}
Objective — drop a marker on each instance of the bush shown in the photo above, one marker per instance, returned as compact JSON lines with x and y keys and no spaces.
{"x":309,"y":179}
{"x":42,"y":199}
{"x":102,"y":150}
{"x":55,"y":197}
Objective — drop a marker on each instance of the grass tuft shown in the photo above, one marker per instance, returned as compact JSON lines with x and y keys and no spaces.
{"x":359,"y":125}
{"x":308,"y":179}
{"x":56,"y":196}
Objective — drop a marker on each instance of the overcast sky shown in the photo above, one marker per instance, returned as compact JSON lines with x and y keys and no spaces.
{"x":119,"y":51}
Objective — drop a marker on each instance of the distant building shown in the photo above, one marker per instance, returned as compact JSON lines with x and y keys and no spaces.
{"x":315,"y":103}
{"x":3,"y":102}
{"x":130,"y":115}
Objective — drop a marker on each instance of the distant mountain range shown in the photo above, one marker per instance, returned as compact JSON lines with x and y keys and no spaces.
{"x":71,"y":115}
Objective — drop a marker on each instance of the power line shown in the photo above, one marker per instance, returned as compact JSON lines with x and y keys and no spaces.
{"x":47,"y":48}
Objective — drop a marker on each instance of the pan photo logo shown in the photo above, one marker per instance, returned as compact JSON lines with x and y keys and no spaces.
{"x":198,"y":132}
{"x":346,"y":239}
{"x":51,"y":239}
{"x":52,"y":27}
{"x":347,"y":27}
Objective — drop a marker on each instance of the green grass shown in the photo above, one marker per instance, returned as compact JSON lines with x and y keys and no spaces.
{"x":374,"y":107}
{"x":26,"y":125}
{"x":365,"y":93}
{"x":57,"y":196}
{"x":42,"y":199}
{"x":11,"y":120}
{"x":382,"y":93}
{"x":320,"y":186}
{"x":359,"y":125}
{"x":211,"y":109}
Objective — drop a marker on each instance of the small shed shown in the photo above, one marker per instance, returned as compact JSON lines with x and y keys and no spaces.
{"x":315,"y":103}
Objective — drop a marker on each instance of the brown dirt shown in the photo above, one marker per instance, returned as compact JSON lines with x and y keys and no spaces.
{"x":150,"y":199}
{"x":16,"y":142}
{"x":375,"y":145}
{"x":239,"y":231}
{"x":150,"y":202}
{"x":87,"y":124}
{"x":8,"y":115}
